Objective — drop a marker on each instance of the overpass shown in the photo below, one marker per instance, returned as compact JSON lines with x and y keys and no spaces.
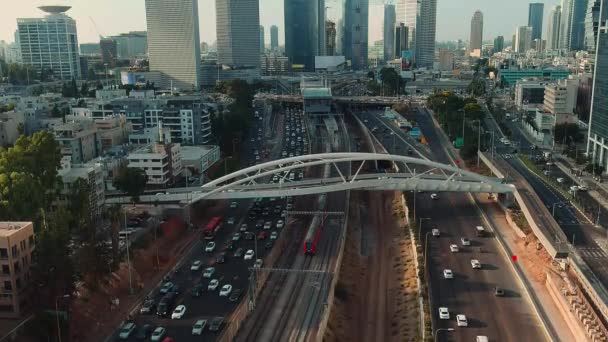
{"x":361,"y":100}
{"x":419,"y":175}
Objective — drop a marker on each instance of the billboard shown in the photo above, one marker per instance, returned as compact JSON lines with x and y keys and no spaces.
{"x":407,"y":60}
{"x":329,"y":62}
{"x":127,"y":77}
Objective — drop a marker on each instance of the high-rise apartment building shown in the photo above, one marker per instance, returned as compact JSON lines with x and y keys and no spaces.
{"x":597,"y":14}
{"x":17,"y":244}
{"x":572,"y":26}
{"x":536,"y":11}
{"x":274,"y":38}
{"x":173,"y":42}
{"x":262,"y":40}
{"x":238,"y":32}
{"x":389,"y":31}
{"x":499,"y":44}
{"x":553,"y":27}
{"x":523,"y":39}
{"x":446,"y":60}
{"x":355,"y":32}
{"x":597,"y":145}
{"x":302,"y":33}
{"x":330,"y":38}
{"x":401,"y":39}
{"x":109,"y":51}
{"x":476,"y":31}
{"x":50,"y":43}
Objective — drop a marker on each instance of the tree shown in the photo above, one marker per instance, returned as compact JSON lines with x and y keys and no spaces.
{"x":55,"y":112}
{"x":132,"y":181}
{"x":391,"y":80}
{"x":595,"y":169}
{"x":567,"y":133}
{"x":84,"y":89}
{"x":473,"y":111}
{"x":477,"y":87}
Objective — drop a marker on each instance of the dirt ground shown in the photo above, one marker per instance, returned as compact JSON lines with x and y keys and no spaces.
{"x":376,"y":294}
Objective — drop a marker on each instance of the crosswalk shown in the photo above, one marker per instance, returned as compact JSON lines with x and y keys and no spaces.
{"x":592,"y":252}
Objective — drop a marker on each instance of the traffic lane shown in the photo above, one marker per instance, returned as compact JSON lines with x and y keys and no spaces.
{"x":471,"y":291}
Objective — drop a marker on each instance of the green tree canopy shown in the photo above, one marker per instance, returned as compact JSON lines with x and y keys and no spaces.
{"x":568,"y":133}
{"x":132,"y":181}
{"x":473,"y":111}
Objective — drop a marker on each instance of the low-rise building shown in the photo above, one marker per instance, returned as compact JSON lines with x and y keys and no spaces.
{"x":12,"y":124}
{"x":197,"y":159}
{"x":149,"y":136}
{"x":113,"y":130}
{"x":529,"y":92}
{"x":161,"y":162}
{"x":92,"y":173}
{"x":17,"y":243}
{"x":509,"y":77}
{"x":78,"y":139}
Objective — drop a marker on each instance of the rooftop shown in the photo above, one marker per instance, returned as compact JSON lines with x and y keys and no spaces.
{"x":316,"y":93}
{"x":9,"y":228}
{"x":196,"y":152}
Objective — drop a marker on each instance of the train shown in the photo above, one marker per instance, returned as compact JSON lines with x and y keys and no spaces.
{"x":316,"y":225}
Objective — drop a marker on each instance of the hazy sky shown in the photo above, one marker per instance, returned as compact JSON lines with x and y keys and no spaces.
{"x":117,"y":16}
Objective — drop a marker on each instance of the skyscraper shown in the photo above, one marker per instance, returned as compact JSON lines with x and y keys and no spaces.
{"x":262,"y":42}
{"x":553,"y":28}
{"x":274,"y":38}
{"x":420,"y":16}
{"x":131,"y":45}
{"x":321,"y":25}
{"x":238,"y":32}
{"x":355,"y":32}
{"x":330,"y":38}
{"x":173,"y":42}
{"x":50,"y":43}
{"x":523,"y":39}
{"x":572,"y":26}
{"x":598,"y":120}
{"x":535,"y":19}
{"x":476,"y":31}
{"x":499,"y":44}
{"x":389,"y":31}
{"x":301,"y":33}
{"x":593,"y":20}
{"x":407,"y":12}
{"x":109,"y":52}
{"x":401,"y":39}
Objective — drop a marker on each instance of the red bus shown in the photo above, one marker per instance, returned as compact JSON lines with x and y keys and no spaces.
{"x":212,"y":227}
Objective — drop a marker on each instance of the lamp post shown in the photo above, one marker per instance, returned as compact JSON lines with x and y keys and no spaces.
{"x":57,"y":314}
{"x":440,"y":329}
{"x":127,"y":240}
{"x":426,"y":240}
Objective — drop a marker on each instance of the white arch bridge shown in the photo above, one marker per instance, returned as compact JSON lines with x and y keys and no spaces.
{"x":252,"y":182}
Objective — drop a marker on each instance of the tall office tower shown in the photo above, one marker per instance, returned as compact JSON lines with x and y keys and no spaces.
{"x":598,"y":120}
{"x":355,"y":32}
{"x":301,"y":33}
{"x":476,"y":31}
{"x":420,"y":16}
{"x":401,"y":39}
{"x":572,"y":26}
{"x":330,"y":38}
{"x":109,"y":51}
{"x":553,"y":28}
{"x":262,"y":42}
{"x":321,"y":25}
{"x":389,"y":31}
{"x":274,"y":38}
{"x":597,"y":14}
{"x":131,"y":45}
{"x":408,"y":12}
{"x":536,"y":11}
{"x":238,"y":32}
{"x":499,"y":44}
{"x":565,"y":24}
{"x":173,"y":42}
{"x":523,"y":39}
{"x":50,"y":43}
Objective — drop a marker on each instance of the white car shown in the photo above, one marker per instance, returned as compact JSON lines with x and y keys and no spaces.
{"x":225,"y":291}
{"x":208,"y":272}
{"x":462,"y":320}
{"x":267,"y":225}
{"x":244,"y":227}
{"x":196,"y":266}
{"x":280,"y":224}
{"x":158,"y":334}
{"x":561,"y":180}
{"x":465,"y":241}
{"x":546,"y":172}
{"x":234,"y":204}
{"x":444,"y":313}
{"x":274,"y":235}
{"x":582,"y":188}
{"x":454,"y":248}
{"x":126,"y":331}
{"x":198,"y":327}
{"x":213,"y":284}
{"x":435,"y":232}
{"x":179,"y":312}
{"x":447,"y":274}
{"x":231,"y":220}
{"x":210,"y":246}
{"x":434,"y":196}
{"x":475,"y":264}
{"x":249,"y":254}
{"x":236,"y":237}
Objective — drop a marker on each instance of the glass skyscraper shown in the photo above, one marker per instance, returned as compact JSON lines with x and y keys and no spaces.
{"x":535,"y":19}
{"x":592,"y":21}
{"x":302,"y":33}
{"x":389,"y":31}
{"x":597,"y":145}
{"x":355,"y":32}
{"x":238,"y":32}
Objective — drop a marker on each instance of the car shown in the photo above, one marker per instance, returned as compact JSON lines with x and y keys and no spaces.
{"x":454,"y":248}
{"x":561,"y":180}
{"x":236,"y":236}
{"x":197,"y":290}
{"x":249,"y":254}
{"x":448,"y":274}
{"x":267,"y":225}
{"x":465,"y":241}
{"x":283,"y":213}
{"x":546,"y":172}
{"x":435,"y":232}
{"x":444,"y":313}
{"x":434,"y":196}
{"x":213,"y":284}
{"x":262,"y":235}
{"x":573,"y":188}
{"x":499,"y":292}
{"x":196,"y":265}
{"x":269,"y":244}
{"x":231,"y":220}
{"x":280,"y":224}
{"x":244,"y":227}
{"x":158,"y":334}
{"x":198,"y":327}
{"x":549,"y":163}
{"x":249,"y":236}
{"x":274,"y":235}
{"x":144,"y":332}
{"x":235,"y":295}
{"x":461,"y":320}
{"x":582,"y":188}
{"x":179,"y":312}
{"x":148,"y":306}
{"x":238,"y":253}
{"x":168,"y":286}
{"x":234,"y":204}
{"x":259,"y":224}
{"x":126,"y":330}
{"x":210,"y":246}
{"x":225,"y":290}
{"x":216,"y":323}
{"x":475,"y":264}
{"x":208,"y":272}
{"x":258,"y":263}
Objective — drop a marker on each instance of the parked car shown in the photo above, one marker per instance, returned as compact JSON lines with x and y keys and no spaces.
{"x":144,"y":332}
{"x":499,"y":292}
{"x":179,"y":312}
{"x":216,"y":324}
{"x":210,"y":246}
{"x":148,"y":306}
{"x":221,"y":258}
{"x":168,"y":286}
{"x":249,"y":254}
{"x":225,"y":290}
{"x":258,"y":263}
{"x":208,"y":272}
{"x":454,"y":248}
{"x":235,"y":295}
{"x":475,"y":264}
{"x":434,"y":196}
{"x":238,"y":253}
{"x":465,"y":241}
{"x":461,"y":320}
{"x":198,"y":327}
{"x":126,"y":330}
{"x":213,"y":284}
{"x":435,"y":232}
{"x":196,"y":266}
{"x":158,"y":334}
{"x":197,"y":290}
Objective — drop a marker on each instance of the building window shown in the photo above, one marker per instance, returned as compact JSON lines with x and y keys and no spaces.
{"x":6,"y":270}
{"x":16,"y":267}
{"x":8,"y":286}
{"x":14,"y":250}
{"x":3,"y":253}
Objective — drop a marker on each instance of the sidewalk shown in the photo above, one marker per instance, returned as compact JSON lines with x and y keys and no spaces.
{"x":597,"y":190}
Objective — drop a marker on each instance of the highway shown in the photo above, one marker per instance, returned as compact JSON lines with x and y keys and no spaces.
{"x":508,"y":318}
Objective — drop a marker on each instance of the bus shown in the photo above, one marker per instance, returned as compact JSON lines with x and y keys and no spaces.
{"x":212,"y":227}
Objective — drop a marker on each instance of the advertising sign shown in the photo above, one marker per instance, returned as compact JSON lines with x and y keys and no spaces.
{"x":407,"y":59}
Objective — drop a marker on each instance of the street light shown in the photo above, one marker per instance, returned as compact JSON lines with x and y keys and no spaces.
{"x":127,"y":240}
{"x":426,"y":240}
{"x":57,"y":314}
{"x":440,"y":329}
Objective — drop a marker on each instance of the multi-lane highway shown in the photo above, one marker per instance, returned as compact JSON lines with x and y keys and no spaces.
{"x":471,"y":291}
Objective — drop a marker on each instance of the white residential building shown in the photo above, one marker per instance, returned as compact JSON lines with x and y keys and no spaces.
{"x":560,"y":97}
{"x":161,"y":162}
{"x":93,"y":174}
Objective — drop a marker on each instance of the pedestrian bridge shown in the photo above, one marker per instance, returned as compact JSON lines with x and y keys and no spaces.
{"x":252,"y":182}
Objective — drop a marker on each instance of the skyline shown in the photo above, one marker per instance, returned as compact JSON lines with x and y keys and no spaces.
{"x":131,"y":17}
